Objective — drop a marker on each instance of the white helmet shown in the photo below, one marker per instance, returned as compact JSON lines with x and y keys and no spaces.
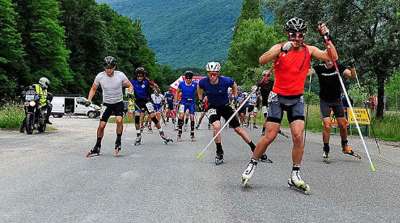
{"x":44,"y":82}
{"x":213,"y":67}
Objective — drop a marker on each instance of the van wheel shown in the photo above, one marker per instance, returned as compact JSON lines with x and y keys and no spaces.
{"x":91,"y":114}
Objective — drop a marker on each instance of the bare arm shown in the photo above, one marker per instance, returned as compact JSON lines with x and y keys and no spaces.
{"x":178,"y":92}
{"x":350,"y":72}
{"x":129,"y":85}
{"x":92,"y":92}
{"x":234,"y":89}
{"x":199,"y":92}
{"x":271,"y":54}
{"x":324,"y":54}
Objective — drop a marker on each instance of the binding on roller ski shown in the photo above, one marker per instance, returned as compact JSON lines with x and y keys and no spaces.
{"x":295,"y":182}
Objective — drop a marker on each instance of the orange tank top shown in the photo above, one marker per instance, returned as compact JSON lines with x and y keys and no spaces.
{"x":291,"y":72}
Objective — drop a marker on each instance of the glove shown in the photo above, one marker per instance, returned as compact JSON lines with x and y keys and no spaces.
{"x":130,"y":95}
{"x":87,"y":103}
{"x":286,"y":47}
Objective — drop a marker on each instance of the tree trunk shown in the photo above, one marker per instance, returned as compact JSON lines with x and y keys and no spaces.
{"x":381,"y":94}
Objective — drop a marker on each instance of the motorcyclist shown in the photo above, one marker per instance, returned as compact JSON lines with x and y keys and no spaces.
{"x":44,"y":99}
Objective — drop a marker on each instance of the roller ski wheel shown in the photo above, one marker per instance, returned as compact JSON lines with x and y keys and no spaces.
{"x":219,"y":159}
{"x":117,"y":150}
{"x":347,"y":150}
{"x":193,"y":139}
{"x":325,"y":158}
{"x":93,"y":152}
{"x":301,"y":186}
{"x":138,"y":141}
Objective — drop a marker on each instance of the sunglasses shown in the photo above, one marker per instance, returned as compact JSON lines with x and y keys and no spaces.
{"x":213,"y":74}
{"x":109,"y":67}
{"x":296,"y":35}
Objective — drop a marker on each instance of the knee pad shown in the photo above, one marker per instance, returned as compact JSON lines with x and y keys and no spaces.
{"x":155,"y":120}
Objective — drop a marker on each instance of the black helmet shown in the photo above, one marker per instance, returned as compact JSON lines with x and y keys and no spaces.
{"x":140,"y":70}
{"x":188,"y":74}
{"x":109,"y":61}
{"x":295,"y":25}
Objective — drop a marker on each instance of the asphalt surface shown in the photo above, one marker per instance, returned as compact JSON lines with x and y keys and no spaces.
{"x":46,"y":178}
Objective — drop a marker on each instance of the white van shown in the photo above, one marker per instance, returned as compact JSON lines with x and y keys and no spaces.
{"x":71,"y":106}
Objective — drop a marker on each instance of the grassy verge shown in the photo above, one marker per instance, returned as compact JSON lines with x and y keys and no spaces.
{"x":126,"y":119}
{"x":11,"y":116}
{"x":385,"y":129}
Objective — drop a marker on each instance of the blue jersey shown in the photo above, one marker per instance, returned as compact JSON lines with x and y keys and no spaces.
{"x":169,"y":97}
{"x":188,"y":92}
{"x":141,"y":89}
{"x":217,"y":94}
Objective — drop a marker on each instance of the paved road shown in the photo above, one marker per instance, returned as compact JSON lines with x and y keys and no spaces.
{"x":46,"y":178}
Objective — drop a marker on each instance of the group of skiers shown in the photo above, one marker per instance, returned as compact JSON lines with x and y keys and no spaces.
{"x":291,"y":66}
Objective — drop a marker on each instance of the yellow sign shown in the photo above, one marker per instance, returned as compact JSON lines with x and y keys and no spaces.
{"x":361,"y":115}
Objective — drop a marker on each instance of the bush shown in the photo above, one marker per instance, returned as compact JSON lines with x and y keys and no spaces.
{"x":11,"y":116}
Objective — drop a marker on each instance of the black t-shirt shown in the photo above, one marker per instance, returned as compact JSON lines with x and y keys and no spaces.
{"x":265,"y":89}
{"x":329,"y":84}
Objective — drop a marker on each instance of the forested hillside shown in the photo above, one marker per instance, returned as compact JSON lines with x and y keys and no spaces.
{"x":184,"y":33}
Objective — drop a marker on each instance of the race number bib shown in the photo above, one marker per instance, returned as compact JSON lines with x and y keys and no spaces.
{"x":181,"y":109}
{"x":150,"y":107}
{"x":211,"y":111}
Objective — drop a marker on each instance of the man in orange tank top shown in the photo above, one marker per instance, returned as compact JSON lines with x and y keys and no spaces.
{"x":291,"y":65}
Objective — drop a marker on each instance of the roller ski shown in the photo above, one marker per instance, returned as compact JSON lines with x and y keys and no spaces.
{"x":138,"y":141}
{"x":349,"y":151}
{"x":325,"y":155}
{"x":93,"y":152}
{"x":117,"y":149}
{"x":248,"y":173}
{"x":192,"y":138}
{"x":219,"y":158}
{"x":295,"y":182}
{"x":264,"y":158}
{"x":166,"y":140}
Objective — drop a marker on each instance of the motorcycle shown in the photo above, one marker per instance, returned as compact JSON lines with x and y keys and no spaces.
{"x":35,"y":116}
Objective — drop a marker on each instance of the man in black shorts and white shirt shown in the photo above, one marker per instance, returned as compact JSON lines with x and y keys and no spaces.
{"x":112,"y":82}
{"x":330,"y":100}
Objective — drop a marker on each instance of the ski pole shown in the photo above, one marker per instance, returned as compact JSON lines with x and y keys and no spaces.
{"x":326,"y":42}
{"x":308,"y":103}
{"x":200,"y":155}
{"x":369,"y":119}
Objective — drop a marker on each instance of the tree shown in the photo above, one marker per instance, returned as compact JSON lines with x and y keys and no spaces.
{"x":44,"y":39}
{"x":367,"y":32}
{"x":12,"y":65}
{"x":253,"y":38}
{"x":251,"y":9}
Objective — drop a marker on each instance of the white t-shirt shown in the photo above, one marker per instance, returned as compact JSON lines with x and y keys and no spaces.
{"x":157,"y":99}
{"x":111,"y":86}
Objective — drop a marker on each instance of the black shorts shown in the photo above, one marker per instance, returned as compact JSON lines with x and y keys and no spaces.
{"x":293,"y":105}
{"x":336,"y":106}
{"x":116,"y":109}
{"x":250,"y":108}
{"x":243,"y":109}
{"x":144,"y":105}
{"x":226,"y":112}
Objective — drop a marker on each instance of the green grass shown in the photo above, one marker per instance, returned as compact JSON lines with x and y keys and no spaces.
{"x":126,"y":120}
{"x":385,"y":129}
{"x":11,"y":116}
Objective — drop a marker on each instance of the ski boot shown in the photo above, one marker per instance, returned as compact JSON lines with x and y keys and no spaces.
{"x":197,"y":127}
{"x":219,"y":158}
{"x":249,"y":171}
{"x":150,"y":130}
{"x":349,"y":151}
{"x":117,"y":149}
{"x":138,"y":140}
{"x":94,"y":152}
{"x":179,"y":138}
{"x":255,"y":126}
{"x":166,"y":140}
{"x":297,"y":183}
{"x":325,"y":155}
{"x":264,"y":158}
{"x":186,"y":128}
{"x":192,"y":138}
